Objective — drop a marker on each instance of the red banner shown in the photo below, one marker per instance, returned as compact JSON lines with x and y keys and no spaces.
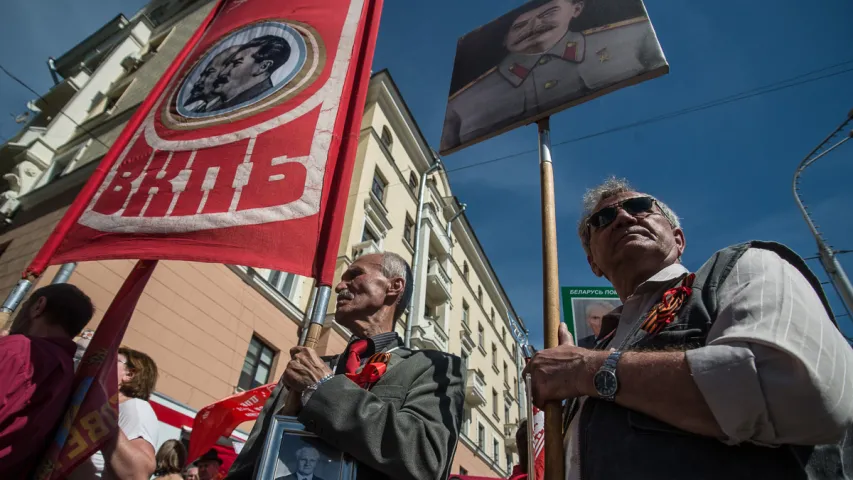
{"x":246,"y":154}
{"x":221,"y":418}
{"x":92,"y":416}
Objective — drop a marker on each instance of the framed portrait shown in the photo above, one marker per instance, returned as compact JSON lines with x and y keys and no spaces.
{"x":583,"y":309}
{"x":543,"y":57}
{"x":291,"y":453}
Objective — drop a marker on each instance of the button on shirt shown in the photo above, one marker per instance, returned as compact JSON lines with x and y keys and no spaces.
{"x":36,"y":376}
{"x":772,"y":337}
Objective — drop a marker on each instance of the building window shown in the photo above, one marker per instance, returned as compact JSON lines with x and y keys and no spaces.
{"x":282,"y":281}
{"x":506,"y":374}
{"x":413,"y":181}
{"x":257,"y":365}
{"x":508,"y":461}
{"x":506,"y":413}
{"x":480,"y":294}
{"x":466,"y":420}
{"x":465,"y":269}
{"x":481,"y":437}
{"x":462,"y":470}
{"x":497,"y":450}
{"x":503,"y":335}
{"x":378,"y":187}
{"x":494,"y":355}
{"x":492,"y":314}
{"x":464,"y":312}
{"x":409,"y":230}
{"x":494,"y":402}
{"x":481,"y":337}
{"x":464,"y":360}
{"x":387,"y":139}
{"x":367,"y":235}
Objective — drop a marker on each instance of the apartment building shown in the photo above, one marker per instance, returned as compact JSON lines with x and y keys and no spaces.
{"x":216,"y":329}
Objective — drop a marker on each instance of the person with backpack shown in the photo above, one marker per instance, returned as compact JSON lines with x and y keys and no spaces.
{"x":734,"y":371}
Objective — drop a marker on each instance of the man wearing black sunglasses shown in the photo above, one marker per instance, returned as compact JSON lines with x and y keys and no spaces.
{"x":736,"y":371}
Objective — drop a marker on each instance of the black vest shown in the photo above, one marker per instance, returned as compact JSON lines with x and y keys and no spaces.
{"x":617,"y":443}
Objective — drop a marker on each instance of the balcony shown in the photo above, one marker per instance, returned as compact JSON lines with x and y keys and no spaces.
{"x":428,"y":334}
{"x":509,"y":436}
{"x":475,"y":388}
{"x":365,"y":248}
{"x":438,"y":283}
{"x":467,"y":340}
{"x":439,"y":239}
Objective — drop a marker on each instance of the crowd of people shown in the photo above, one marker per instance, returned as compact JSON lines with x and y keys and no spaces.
{"x":736,"y":370}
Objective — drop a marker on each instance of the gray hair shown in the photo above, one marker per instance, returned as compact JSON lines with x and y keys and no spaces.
{"x":395,"y":266}
{"x":304,"y":450}
{"x":610,"y":188}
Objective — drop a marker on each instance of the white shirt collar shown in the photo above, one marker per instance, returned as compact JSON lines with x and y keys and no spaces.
{"x":666,"y":275}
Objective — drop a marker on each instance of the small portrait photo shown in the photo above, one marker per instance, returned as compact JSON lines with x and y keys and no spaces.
{"x":291,"y":453}
{"x":542,"y":57}
{"x":587,"y":314}
{"x":247,"y":67}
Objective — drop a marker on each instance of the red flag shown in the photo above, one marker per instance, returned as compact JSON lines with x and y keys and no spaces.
{"x":92,"y":416}
{"x":246,"y":156}
{"x":221,"y":418}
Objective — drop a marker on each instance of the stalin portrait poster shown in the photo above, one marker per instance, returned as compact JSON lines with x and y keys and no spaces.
{"x":543,"y":57}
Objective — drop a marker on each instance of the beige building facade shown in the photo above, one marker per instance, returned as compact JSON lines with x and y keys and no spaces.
{"x":217,"y":329}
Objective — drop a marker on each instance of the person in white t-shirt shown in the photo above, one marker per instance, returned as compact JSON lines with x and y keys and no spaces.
{"x":130,"y":455}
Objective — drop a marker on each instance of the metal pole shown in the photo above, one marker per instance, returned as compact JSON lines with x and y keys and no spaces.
{"x":64,"y":273}
{"x":826,"y":254}
{"x":293,"y":403}
{"x":414,"y":308}
{"x":16,"y":296}
{"x":554,"y":454}
{"x":462,"y":208}
{"x":836,"y":274}
{"x":306,"y":319}
{"x":531,"y":449}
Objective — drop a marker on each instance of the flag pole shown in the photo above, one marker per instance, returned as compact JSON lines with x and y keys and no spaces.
{"x":554,"y":454}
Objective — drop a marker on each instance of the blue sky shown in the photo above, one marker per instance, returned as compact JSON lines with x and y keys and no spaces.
{"x":726,"y":171}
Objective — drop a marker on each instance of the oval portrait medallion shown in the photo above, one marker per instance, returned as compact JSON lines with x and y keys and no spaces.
{"x":248,"y":70}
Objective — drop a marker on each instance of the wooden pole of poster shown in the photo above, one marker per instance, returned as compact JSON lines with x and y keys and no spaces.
{"x":554,"y":455}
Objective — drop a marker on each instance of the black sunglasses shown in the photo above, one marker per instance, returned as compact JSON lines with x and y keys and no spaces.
{"x":632,"y":206}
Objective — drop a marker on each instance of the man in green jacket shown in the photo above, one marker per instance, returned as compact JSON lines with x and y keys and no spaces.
{"x":406,"y":425}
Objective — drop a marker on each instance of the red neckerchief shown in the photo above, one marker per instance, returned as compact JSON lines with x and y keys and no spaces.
{"x":372,"y":371}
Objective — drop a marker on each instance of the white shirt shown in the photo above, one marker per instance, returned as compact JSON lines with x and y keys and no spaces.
{"x":774,"y":369}
{"x":136,"y":419}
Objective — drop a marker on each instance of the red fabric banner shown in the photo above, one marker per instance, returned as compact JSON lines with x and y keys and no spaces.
{"x":246,"y":156}
{"x":221,"y":418}
{"x":92,"y":416}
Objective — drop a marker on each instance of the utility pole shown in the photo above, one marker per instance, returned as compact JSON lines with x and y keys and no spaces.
{"x":827,"y":255}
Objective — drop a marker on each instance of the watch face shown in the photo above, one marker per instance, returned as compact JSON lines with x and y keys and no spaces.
{"x":605,"y":383}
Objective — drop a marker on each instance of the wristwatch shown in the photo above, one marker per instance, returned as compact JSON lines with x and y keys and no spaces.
{"x":605,"y":381}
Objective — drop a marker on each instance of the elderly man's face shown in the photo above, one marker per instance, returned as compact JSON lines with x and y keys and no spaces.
{"x":363,"y":291}
{"x":537,"y":30}
{"x":632,"y":242}
{"x":594,"y":314}
{"x":208,"y":470}
{"x":306,"y":462}
{"x":191,"y":473}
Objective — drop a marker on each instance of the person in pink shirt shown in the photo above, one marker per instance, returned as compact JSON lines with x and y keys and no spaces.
{"x":36,"y":373}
